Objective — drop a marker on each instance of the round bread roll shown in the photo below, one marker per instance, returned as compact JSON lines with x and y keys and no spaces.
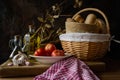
{"x":90,"y":19}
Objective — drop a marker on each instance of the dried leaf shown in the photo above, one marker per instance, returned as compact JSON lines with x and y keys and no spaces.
{"x":40,"y":19}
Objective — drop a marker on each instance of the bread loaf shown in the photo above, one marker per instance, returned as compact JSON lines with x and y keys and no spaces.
{"x":101,"y":24}
{"x":69,"y":20}
{"x":77,"y":24}
{"x":90,"y":19}
{"x":78,"y":18}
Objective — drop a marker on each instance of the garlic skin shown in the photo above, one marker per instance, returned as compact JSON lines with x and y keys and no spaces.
{"x":20,"y":59}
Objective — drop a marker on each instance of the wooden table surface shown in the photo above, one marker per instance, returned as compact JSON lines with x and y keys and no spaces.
{"x":103,"y":76}
{"x":18,"y":78}
{"x":112,"y":72}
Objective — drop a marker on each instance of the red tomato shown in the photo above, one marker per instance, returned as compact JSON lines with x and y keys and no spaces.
{"x":40,"y":52}
{"x":49,"y":48}
{"x":57,"y":52}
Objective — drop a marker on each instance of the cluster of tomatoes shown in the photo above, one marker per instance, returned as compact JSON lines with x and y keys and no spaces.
{"x":49,"y":50}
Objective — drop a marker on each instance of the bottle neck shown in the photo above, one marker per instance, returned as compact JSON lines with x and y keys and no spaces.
{"x":31,"y":29}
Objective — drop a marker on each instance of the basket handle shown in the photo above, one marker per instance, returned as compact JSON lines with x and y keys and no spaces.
{"x":97,"y":10}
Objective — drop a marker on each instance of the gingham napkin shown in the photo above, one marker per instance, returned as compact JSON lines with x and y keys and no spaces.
{"x":68,"y":69}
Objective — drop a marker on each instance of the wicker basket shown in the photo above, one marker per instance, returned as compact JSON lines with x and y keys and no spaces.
{"x":86,"y":46}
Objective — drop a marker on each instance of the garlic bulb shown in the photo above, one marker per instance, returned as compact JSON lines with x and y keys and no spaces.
{"x":20,"y":59}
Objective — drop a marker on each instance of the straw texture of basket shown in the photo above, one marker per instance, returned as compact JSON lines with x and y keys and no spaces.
{"x":87,"y":46}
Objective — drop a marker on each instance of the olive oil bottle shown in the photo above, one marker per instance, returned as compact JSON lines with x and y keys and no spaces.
{"x":29,"y":41}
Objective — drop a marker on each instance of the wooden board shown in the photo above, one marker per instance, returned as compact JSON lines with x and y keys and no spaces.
{"x":37,"y":68}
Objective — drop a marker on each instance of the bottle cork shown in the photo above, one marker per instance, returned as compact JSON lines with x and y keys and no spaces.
{"x":78,"y":18}
{"x":90,"y":19}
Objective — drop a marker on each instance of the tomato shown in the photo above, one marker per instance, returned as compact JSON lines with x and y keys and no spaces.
{"x":58,"y":52}
{"x":40,"y":52}
{"x":49,"y":48}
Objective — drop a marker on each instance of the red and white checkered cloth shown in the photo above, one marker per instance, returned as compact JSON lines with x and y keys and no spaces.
{"x":68,"y":69}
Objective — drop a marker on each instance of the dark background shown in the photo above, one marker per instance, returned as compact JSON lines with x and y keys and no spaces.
{"x":15,"y":15}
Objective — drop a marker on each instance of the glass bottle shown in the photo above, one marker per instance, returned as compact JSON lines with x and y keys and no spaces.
{"x":29,"y":41}
{"x":16,"y":45}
